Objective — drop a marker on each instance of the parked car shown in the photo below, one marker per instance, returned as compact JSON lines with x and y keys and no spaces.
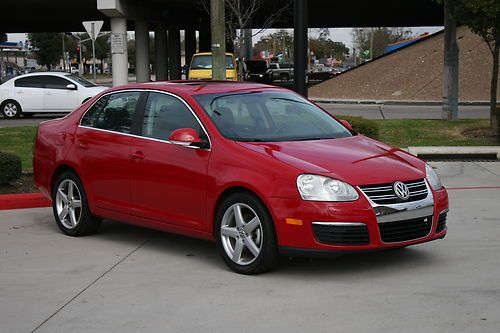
{"x":282,"y":71}
{"x":41,"y":92}
{"x":201,"y":67}
{"x":258,"y":169}
{"x":257,"y":71}
{"x":321,"y":73}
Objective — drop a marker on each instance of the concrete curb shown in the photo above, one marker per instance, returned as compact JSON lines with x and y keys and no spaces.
{"x":23,"y":200}
{"x":392,"y":102}
{"x":491,"y":152}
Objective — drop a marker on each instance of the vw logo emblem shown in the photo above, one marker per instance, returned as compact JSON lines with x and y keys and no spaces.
{"x":401,"y":190}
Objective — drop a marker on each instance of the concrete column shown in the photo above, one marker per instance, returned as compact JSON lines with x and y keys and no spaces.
{"x":218,"y":27}
{"x":161,"y":56}
{"x":119,"y":56}
{"x":450,"y":68}
{"x":300,"y":23}
{"x":189,"y":44}
{"x":174,"y":53}
{"x":142,"y":51}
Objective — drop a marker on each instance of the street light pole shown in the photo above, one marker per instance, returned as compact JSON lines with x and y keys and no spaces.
{"x":63,"y":54}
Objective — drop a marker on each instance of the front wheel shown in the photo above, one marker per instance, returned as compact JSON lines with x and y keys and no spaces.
{"x":245,"y":235}
{"x":70,"y":207}
{"x":11,"y":109}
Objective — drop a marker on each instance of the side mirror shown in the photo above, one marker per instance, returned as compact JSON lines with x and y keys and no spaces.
{"x":186,"y":137}
{"x":71,"y":86}
{"x":346,"y":124}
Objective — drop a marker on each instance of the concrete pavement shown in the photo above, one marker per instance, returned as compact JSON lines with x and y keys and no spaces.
{"x":130,"y":279}
{"x":381,"y":111}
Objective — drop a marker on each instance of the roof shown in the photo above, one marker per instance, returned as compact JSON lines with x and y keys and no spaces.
{"x":200,"y":87}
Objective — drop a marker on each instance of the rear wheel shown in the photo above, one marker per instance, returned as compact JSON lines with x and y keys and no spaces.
{"x":245,"y":235}
{"x":285,"y":77}
{"x":11,"y":109}
{"x":70,"y":207}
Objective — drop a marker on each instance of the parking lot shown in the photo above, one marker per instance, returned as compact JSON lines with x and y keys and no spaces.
{"x":127,"y":279}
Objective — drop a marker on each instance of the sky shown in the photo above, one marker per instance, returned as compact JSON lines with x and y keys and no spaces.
{"x":336,"y":34}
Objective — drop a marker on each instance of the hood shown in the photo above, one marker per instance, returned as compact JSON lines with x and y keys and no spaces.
{"x":357,"y":160}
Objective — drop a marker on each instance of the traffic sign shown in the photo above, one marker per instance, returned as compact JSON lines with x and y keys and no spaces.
{"x":93,"y":28}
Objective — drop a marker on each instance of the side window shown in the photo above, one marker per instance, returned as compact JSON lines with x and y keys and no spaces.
{"x":55,"y":82}
{"x":113,"y":112}
{"x":29,"y":82}
{"x":164,"y":114}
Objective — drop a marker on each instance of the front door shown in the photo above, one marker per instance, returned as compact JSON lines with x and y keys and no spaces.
{"x":168,"y":181}
{"x":57,"y":97}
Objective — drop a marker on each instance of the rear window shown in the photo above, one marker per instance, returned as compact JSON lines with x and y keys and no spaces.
{"x":205,"y":62}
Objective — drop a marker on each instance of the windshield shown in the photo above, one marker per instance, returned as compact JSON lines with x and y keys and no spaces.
{"x":269,"y":116}
{"x":80,"y":80}
{"x":205,"y":62}
{"x":256,"y":66}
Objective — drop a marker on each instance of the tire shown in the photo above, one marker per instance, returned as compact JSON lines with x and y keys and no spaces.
{"x":71,"y":212}
{"x":246,"y":245}
{"x":284,"y":77}
{"x":11,"y":109}
{"x":28,"y":114}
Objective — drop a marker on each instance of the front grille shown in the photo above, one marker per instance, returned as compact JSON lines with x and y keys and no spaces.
{"x":341,"y":234}
{"x":383,"y":194}
{"x":401,"y":231}
{"x":441,"y":225}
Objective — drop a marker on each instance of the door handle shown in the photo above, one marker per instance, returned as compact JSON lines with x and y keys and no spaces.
{"x":83,"y":146}
{"x":138,"y":155}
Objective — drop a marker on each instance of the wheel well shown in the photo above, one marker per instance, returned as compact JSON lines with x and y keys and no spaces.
{"x":10,"y":100}
{"x":226,"y":193}
{"x":59,"y":171}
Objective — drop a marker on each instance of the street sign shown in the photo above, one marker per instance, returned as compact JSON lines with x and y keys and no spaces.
{"x":93,"y":28}
{"x":118,"y":43}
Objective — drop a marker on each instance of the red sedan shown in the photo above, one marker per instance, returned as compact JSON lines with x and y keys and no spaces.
{"x":259,"y":169}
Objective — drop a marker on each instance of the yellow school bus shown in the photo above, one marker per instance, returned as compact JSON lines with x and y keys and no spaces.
{"x":201,"y":67}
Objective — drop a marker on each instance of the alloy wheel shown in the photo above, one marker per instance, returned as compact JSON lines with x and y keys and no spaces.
{"x":10,"y":110}
{"x":68,"y":204}
{"x":241,"y":234}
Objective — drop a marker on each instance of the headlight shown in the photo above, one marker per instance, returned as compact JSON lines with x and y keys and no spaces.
{"x":432,"y":177}
{"x":320,"y":188}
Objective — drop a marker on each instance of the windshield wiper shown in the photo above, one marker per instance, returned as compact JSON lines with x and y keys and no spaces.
{"x":247,"y":139}
{"x":290,"y":100}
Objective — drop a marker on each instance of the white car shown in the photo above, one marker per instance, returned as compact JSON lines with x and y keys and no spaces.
{"x":44,"y":92}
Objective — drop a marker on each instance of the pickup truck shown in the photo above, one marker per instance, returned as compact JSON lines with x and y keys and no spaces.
{"x":282,"y":71}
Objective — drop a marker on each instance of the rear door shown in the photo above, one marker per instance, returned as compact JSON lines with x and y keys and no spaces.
{"x":28,"y":92}
{"x":57,"y":97}
{"x":103,"y":143}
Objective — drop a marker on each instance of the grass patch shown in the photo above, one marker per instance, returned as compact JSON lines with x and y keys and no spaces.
{"x":423,"y":132}
{"x":397,"y":132}
{"x":19,"y":141}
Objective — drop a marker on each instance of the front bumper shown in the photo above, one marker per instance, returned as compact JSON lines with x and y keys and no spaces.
{"x":300,"y":237}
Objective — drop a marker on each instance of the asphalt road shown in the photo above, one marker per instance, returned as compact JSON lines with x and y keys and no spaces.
{"x":128,"y":279}
{"x":368,"y":111}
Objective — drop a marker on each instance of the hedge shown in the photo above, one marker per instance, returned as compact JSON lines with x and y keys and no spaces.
{"x":362,"y":125}
{"x":10,"y":167}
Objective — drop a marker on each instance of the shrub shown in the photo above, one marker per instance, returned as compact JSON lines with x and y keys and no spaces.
{"x":10,"y":167}
{"x":362,"y":125}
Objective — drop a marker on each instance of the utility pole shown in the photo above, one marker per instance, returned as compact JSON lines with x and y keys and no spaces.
{"x":300,"y":23}
{"x":450,"y":68}
{"x":217,"y":13}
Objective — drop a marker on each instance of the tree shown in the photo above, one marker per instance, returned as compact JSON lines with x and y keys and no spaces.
{"x":279,"y":42}
{"x":47,"y":47}
{"x":324,"y":47}
{"x":483,"y":18}
{"x":371,"y":42}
